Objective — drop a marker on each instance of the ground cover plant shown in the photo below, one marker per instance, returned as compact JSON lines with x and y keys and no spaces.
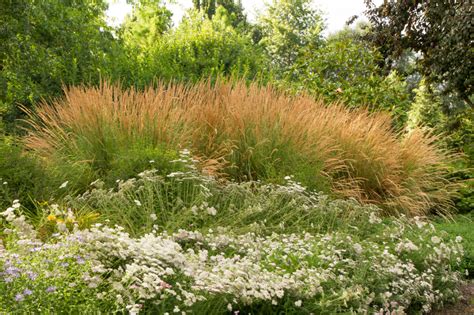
{"x":243,"y":133}
{"x":461,"y":225}
{"x":348,"y":264}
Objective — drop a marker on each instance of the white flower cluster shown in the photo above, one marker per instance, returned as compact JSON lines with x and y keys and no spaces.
{"x":332,"y":272}
{"x":323,"y":271}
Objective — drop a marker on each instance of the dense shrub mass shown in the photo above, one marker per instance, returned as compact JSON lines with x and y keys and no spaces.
{"x":244,"y":133}
{"x":21,"y":176}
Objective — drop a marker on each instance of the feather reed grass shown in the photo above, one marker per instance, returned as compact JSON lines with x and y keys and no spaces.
{"x":247,"y":132}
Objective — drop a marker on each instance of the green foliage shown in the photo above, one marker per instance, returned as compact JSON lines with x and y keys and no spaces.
{"x":345,"y":69}
{"x":287,"y":27}
{"x":45,"y":44}
{"x":438,"y":29}
{"x":233,"y":7}
{"x":149,"y":20}
{"x":461,"y":225}
{"x":426,"y":109}
{"x":21,"y":175}
{"x":202,"y":48}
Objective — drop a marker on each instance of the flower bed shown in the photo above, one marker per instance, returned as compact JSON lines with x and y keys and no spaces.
{"x":404,"y":267}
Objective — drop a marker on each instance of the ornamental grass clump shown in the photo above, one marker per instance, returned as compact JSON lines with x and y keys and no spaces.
{"x":242,"y":132}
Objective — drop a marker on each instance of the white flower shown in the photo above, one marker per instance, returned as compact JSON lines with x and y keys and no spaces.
{"x":137,"y":202}
{"x":357,"y":248}
{"x":151,"y":161}
{"x":211,"y":211}
{"x":458,"y":239}
{"x":62,"y":227}
{"x":56,"y":210}
{"x":153,"y":217}
{"x":176,"y":309}
{"x":374,"y":219}
{"x":63,"y":185}
{"x":4,"y":183}
{"x":298,"y":303}
{"x":435,"y":240}
{"x":229,"y":307}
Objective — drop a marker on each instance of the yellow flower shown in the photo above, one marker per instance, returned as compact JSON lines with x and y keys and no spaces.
{"x":51,"y":217}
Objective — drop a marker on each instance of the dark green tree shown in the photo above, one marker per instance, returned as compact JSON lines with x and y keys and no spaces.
{"x":441,"y":31}
{"x":233,"y":7}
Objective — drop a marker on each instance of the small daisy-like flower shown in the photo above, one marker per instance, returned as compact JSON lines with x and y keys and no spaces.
{"x":27,"y":292}
{"x":357,"y":248}
{"x":19,"y":297}
{"x":32,"y":275}
{"x":63,"y":185}
{"x":458,"y":239}
{"x":153,"y":217}
{"x":298,"y":303}
{"x":137,"y":202}
{"x":212,"y":211}
{"x":436,"y":240}
{"x":51,"y":289}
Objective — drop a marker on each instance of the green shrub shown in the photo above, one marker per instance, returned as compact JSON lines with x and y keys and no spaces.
{"x":200,"y":48}
{"x":21,"y":175}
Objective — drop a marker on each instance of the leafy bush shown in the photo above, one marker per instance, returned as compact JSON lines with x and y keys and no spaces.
{"x":346,"y":70}
{"x":201,"y":48}
{"x":46,"y":44}
{"x":403,"y":268}
{"x":246,"y":133}
{"x":21,"y":175}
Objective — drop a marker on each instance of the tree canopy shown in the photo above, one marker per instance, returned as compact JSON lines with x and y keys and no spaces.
{"x":441,"y":31}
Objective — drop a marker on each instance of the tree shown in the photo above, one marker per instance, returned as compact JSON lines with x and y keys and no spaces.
{"x":426,"y":109}
{"x":201,"y":48}
{"x":45,"y":44}
{"x":441,"y":31}
{"x":287,"y":27}
{"x":149,"y":20}
{"x":233,"y":8}
{"x":346,"y":69}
